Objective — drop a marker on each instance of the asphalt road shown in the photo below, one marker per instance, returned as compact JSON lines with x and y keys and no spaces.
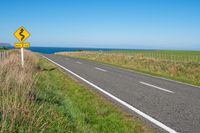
{"x":166,"y":105}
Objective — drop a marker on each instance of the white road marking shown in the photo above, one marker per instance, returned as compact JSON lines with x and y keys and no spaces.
{"x":100,"y":69}
{"x":156,"y":122}
{"x":79,"y":62}
{"x":156,"y":87}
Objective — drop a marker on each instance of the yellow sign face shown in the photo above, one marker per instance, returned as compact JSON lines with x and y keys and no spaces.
{"x":22,"y":34}
{"x":22,"y":45}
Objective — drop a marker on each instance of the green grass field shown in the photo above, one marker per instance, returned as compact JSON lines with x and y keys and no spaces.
{"x":182,"y":66}
{"x":43,"y":98}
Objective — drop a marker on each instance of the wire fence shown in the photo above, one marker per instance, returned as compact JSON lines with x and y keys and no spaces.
{"x":4,"y":55}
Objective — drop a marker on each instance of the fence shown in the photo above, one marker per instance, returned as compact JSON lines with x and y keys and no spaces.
{"x":4,"y":54}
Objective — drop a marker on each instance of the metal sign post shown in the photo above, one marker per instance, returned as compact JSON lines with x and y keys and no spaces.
{"x":22,"y":57}
{"x":22,"y":34}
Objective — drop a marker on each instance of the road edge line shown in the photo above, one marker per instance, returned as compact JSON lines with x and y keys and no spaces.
{"x":151,"y":119}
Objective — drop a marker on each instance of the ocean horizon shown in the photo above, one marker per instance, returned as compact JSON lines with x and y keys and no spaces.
{"x":52,"y":50}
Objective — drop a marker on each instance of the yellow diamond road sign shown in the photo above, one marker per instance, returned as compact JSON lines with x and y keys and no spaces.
{"x":22,"y":34}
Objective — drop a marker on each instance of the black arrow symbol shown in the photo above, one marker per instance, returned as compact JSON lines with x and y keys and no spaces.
{"x":21,"y":31}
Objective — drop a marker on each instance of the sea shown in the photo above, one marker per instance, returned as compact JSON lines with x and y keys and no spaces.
{"x":52,"y":50}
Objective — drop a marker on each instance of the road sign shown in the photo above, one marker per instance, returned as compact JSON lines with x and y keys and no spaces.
{"x":22,"y":45}
{"x":18,"y":45}
{"x":22,"y":34}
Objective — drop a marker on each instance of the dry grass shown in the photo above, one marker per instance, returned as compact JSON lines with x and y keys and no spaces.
{"x":18,"y":112}
{"x":182,"y":71}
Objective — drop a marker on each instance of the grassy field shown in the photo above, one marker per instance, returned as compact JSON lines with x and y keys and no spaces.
{"x":182,"y":66}
{"x":42,"y":98}
{"x":176,"y":56}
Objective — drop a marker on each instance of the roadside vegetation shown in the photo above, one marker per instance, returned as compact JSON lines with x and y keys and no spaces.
{"x":167,"y":55}
{"x":182,"y":66}
{"x":42,"y":98}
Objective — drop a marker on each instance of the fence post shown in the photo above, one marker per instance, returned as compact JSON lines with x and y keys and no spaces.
{"x":7,"y":54}
{"x":3,"y":54}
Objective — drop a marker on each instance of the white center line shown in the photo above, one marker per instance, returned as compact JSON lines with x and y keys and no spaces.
{"x":156,"y":87}
{"x":79,"y":62}
{"x":156,"y":122}
{"x":100,"y":69}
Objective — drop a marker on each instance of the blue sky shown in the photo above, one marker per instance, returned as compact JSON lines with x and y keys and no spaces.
{"x":149,"y":24}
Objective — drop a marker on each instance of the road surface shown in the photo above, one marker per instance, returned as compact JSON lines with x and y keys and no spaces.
{"x":166,"y":105}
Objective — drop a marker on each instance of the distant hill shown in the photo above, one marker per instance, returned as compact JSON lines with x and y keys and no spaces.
{"x":4,"y":45}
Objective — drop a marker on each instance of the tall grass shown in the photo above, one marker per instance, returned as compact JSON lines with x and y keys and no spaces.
{"x":18,"y":112}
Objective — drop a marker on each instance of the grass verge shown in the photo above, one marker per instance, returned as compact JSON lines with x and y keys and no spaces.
{"x":42,"y":98}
